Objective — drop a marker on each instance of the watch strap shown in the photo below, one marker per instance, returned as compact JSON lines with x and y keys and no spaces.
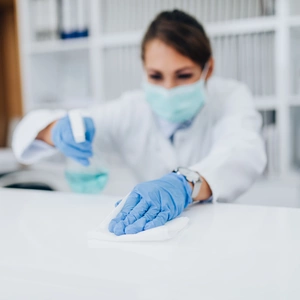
{"x":196,"y":184}
{"x":196,"y":189}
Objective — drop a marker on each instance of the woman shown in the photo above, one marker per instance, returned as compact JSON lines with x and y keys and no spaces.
{"x":182,"y":117}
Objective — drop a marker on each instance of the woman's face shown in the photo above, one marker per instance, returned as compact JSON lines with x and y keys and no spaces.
{"x":166,"y":67}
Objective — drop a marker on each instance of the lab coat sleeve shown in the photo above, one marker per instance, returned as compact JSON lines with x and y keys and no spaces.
{"x":109,"y":118}
{"x":26,"y":148}
{"x":237,"y":156}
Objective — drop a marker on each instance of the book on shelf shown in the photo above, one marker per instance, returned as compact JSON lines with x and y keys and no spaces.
{"x":59,"y":19}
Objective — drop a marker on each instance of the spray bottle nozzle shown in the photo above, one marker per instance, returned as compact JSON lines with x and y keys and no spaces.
{"x":77,"y":125}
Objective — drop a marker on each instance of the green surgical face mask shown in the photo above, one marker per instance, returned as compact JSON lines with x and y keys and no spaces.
{"x":178,"y":104}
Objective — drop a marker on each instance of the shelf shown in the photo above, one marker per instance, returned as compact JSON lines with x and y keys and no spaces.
{"x":260,"y":103}
{"x":134,"y":37}
{"x":236,"y":27}
{"x":294,"y":100}
{"x":293,"y":176}
{"x":246,"y":26}
{"x":57,"y":46}
{"x":121,"y":39}
{"x":265,"y":103}
{"x":294,"y":21}
{"x":67,"y":104}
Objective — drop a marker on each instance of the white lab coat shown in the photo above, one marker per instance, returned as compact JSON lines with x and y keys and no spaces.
{"x":223,"y":143}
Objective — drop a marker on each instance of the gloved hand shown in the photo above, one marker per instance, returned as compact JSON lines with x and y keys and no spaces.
{"x":63,"y":139}
{"x":152,"y":204}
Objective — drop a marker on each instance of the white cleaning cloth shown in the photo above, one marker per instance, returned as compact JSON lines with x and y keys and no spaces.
{"x":161,"y":233}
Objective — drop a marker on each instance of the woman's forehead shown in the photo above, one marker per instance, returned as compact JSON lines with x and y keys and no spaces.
{"x":159,"y":55}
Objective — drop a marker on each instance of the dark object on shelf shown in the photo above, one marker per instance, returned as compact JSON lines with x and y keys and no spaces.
{"x":30,"y":186}
{"x":34,"y":180}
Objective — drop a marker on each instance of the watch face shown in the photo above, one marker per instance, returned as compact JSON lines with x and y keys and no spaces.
{"x":190,"y":175}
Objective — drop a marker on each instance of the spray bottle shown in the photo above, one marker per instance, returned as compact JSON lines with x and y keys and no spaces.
{"x":85,"y":179}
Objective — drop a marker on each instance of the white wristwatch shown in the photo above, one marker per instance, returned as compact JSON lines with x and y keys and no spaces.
{"x":192,"y":177}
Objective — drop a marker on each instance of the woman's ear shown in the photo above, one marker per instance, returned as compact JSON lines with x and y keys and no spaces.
{"x":211,"y":66}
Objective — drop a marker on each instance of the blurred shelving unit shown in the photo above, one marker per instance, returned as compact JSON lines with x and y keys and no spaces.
{"x":56,"y":46}
{"x":254,"y":41}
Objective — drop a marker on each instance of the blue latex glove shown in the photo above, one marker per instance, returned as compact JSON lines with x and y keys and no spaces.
{"x":152,"y":204}
{"x":63,"y":140}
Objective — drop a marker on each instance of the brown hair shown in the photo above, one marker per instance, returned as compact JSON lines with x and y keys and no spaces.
{"x":182,"y":32}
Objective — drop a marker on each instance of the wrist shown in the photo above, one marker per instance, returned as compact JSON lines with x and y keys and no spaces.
{"x":45,"y":135}
{"x":191,"y":177}
{"x":204,"y":193}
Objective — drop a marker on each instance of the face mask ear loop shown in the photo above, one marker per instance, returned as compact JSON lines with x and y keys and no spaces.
{"x":205,"y":72}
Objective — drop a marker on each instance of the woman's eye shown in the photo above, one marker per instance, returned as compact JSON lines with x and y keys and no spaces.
{"x":155,"y":77}
{"x":185,"y":76}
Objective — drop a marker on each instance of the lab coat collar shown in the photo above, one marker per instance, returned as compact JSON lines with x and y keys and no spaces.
{"x":168,"y":129}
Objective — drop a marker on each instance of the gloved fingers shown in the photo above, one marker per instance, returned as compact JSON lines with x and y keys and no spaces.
{"x":136,"y":213}
{"x":142,"y":223}
{"x":83,"y":147}
{"x":118,"y":229}
{"x":152,"y":213}
{"x":139,"y":225}
{"x":136,"y":227}
{"x":76,"y":157}
{"x":83,"y":161}
{"x":120,"y":217}
{"x":160,"y":220}
{"x":65,"y":135}
{"x":131,"y":202}
{"x":71,"y":151}
{"x":90,"y":129}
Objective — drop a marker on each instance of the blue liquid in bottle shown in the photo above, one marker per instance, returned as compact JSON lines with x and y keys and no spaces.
{"x":85,"y":182}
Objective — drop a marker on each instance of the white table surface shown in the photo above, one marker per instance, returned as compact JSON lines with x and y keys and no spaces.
{"x":229,"y":251}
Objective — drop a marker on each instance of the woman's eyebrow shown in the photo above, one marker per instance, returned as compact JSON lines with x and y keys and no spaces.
{"x":184,"y":69}
{"x":153,"y":70}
